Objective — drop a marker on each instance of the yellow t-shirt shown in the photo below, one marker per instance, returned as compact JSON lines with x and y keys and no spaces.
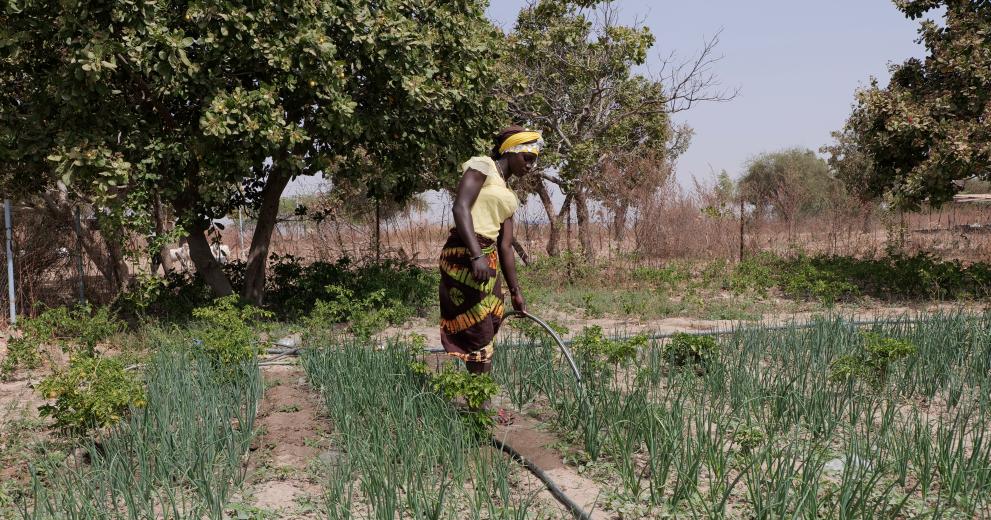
{"x":495,"y":202}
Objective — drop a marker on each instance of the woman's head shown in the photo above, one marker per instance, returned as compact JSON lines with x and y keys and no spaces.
{"x":520,"y":147}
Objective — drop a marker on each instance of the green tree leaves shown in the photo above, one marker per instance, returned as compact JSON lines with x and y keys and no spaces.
{"x":930,"y":126}
{"x":210,"y":105}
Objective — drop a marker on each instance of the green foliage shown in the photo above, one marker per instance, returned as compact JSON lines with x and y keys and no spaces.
{"x":71,"y":328}
{"x":754,"y":273}
{"x":830,"y":279}
{"x":294,"y":287}
{"x":22,"y":352}
{"x":791,"y":183}
{"x":872,"y":361}
{"x":229,"y":332}
{"x":804,"y":280}
{"x":364,"y":316}
{"x":561,"y":54}
{"x":598,"y":351}
{"x":208,"y":107}
{"x":749,"y":438}
{"x":927,"y":129}
{"x":180,"y":456}
{"x":93,"y":392}
{"x":691,"y":350}
{"x":475,"y":389}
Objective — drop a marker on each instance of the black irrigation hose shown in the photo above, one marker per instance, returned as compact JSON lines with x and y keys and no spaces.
{"x":573,"y":507}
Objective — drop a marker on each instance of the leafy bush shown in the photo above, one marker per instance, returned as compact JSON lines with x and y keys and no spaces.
{"x":364,"y":317}
{"x":292,"y":288}
{"x":475,"y":389}
{"x":749,"y":438}
{"x":834,"y":278}
{"x":92,"y":392}
{"x":598,"y":351}
{"x":753,"y":274}
{"x":804,"y":280}
{"x":872,"y":362}
{"x":688,"y":349}
{"x":71,"y":328}
{"x":228,"y":335}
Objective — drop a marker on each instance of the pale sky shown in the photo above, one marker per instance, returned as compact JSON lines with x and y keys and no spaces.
{"x":797,"y":64}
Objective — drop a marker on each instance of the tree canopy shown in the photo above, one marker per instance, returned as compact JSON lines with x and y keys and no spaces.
{"x":571,"y":70}
{"x":208,"y":105}
{"x":790,"y":183}
{"x":930,"y":127}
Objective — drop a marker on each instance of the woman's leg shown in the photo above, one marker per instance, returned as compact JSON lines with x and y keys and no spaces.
{"x":478,"y":367}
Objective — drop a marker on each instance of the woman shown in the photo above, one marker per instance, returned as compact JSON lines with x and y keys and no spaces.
{"x":471,"y":297}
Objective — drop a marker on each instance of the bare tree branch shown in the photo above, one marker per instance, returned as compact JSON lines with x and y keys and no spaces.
{"x":693,"y":81}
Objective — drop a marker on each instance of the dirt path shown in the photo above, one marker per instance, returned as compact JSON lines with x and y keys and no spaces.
{"x":525,"y":436}
{"x":284,"y":467}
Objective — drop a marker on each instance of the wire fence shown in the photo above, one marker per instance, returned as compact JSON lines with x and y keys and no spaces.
{"x":59,"y":259}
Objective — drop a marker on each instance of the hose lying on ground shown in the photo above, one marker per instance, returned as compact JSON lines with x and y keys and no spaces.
{"x":566,"y":501}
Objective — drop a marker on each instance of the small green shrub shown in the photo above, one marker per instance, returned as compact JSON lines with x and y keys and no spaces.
{"x":688,"y":349}
{"x":71,"y":328}
{"x":93,"y":392}
{"x":749,"y":438}
{"x":22,"y":352}
{"x":229,"y":335}
{"x":753,"y":274}
{"x":803,"y":279}
{"x":872,"y":362}
{"x":475,"y":389}
{"x":364,"y":317}
{"x":598,"y":351}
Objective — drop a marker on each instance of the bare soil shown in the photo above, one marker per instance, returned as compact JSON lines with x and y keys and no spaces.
{"x":525,"y":436}
{"x":293,"y":435}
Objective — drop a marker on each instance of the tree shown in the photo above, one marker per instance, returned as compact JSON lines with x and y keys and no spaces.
{"x":571,"y":68}
{"x":208,"y":106}
{"x":789,"y":183}
{"x":930,"y":127}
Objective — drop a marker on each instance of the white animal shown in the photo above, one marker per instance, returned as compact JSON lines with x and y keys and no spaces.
{"x":180,"y":255}
{"x":221,"y":252}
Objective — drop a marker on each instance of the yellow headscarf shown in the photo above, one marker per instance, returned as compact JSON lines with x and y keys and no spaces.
{"x":522,"y":138}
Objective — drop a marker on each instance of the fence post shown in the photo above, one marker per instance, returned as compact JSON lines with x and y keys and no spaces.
{"x":79,"y":258}
{"x":10,"y":261}
{"x":741,"y":228}
{"x":240,"y":235}
{"x":378,"y":232}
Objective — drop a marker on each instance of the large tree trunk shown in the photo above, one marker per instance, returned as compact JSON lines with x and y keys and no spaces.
{"x":584,"y":225}
{"x":557,"y":222}
{"x":254,"y":275}
{"x":619,"y":223}
{"x":115,"y":255}
{"x":555,"y":235}
{"x":206,"y":265}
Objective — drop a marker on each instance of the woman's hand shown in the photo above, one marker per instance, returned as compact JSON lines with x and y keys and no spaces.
{"x":518,"y":303}
{"x":480,"y":269}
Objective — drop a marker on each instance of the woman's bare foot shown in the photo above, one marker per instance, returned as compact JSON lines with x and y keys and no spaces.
{"x":504,"y":418}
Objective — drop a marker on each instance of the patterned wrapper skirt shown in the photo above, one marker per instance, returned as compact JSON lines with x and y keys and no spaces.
{"x":470,"y":312}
